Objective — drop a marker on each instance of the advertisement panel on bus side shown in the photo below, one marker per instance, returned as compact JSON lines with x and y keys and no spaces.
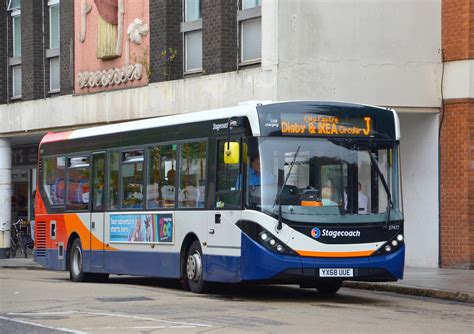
{"x":154,"y":228}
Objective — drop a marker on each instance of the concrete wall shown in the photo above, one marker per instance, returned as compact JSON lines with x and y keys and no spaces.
{"x":383,"y":52}
{"x":419,"y":156}
{"x":164,"y":98}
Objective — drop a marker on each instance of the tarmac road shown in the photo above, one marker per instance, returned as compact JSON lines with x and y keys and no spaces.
{"x":38,"y":301}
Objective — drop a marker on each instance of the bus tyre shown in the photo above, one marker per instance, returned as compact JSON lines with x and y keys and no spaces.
{"x":195,"y":269}
{"x":76,"y":261}
{"x":328,"y":288}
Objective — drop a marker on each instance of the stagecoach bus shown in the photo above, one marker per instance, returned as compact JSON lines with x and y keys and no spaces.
{"x":304,"y":193}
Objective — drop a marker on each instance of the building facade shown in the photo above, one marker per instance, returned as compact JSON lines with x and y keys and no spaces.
{"x":67,"y":64}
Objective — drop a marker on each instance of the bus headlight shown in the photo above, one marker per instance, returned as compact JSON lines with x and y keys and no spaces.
{"x":392,"y":245}
{"x":264,"y":238}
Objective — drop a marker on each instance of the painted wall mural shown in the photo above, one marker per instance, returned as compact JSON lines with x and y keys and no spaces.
{"x":112,"y":44}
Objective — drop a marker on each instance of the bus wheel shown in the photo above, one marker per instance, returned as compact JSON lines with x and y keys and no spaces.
{"x":194,"y":269}
{"x":328,"y":288}
{"x":76,"y":261}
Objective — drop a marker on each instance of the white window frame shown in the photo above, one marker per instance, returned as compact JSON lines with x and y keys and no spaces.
{"x":9,"y":6}
{"x":242,"y":16}
{"x":186,"y":27}
{"x":53,"y":53}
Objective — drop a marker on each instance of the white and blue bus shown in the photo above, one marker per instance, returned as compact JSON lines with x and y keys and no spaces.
{"x":303,"y":193}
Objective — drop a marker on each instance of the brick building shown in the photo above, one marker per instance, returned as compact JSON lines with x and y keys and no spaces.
{"x":66,"y":64}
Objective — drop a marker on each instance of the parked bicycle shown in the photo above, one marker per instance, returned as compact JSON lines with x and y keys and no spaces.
{"x":19,"y":238}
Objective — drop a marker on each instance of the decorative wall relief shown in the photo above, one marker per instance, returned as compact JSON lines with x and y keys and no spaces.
{"x":110,"y":27}
{"x":110,"y":77}
{"x":85,"y":9}
{"x":102,"y":31}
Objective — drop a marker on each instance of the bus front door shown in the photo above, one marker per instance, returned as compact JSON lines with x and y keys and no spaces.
{"x":97,"y":220}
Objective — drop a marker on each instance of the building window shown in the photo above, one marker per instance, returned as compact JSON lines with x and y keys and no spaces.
{"x":53,"y":24}
{"x":53,"y":52}
{"x":14,"y":6}
{"x":250,"y":26}
{"x":54,"y":83}
{"x":191,"y":27}
{"x":16,"y":80}
{"x":16,"y":23}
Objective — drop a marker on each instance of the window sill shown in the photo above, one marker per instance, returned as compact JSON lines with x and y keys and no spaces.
{"x":54,"y":91}
{"x":15,"y":98}
{"x":193,"y":72}
{"x":250,"y":62}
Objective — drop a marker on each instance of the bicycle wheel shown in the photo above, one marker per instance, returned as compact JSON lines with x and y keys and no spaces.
{"x":22,"y":247}
{"x":13,"y":247}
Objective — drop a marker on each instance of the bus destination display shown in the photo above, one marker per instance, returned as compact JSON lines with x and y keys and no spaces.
{"x":323,"y":125}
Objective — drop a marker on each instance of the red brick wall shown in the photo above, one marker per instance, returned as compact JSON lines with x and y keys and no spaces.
{"x":458,"y":29}
{"x":457,"y":184}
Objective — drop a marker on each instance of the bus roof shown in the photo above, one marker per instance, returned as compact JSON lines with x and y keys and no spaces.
{"x":245,"y":109}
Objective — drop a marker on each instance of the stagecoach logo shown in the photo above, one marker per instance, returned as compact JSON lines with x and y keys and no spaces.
{"x":316,"y":233}
{"x":222,"y":126}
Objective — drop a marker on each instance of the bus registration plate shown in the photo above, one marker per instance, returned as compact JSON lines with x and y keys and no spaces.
{"x":336,"y":272}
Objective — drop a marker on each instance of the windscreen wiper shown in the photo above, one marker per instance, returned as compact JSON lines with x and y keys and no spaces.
{"x":278,"y":196}
{"x":384,"y":183}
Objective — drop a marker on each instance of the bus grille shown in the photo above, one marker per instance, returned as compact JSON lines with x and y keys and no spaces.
{"x":40,"y":239}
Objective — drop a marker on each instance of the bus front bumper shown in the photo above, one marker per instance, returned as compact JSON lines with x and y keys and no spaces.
{"x":260,"y":264}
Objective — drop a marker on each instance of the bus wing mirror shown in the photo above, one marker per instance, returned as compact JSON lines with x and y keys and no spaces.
{"x":231,"y":153}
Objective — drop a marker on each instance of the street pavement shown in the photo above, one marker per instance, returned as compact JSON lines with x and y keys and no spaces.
{"x":441,"y":283}
{"x":43,"y":301}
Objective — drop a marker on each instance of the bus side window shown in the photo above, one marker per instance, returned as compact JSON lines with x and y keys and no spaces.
{"x":132,"y":179}
{"x":192,"y":175}
{"x":229,"y":181}
{"x":98,"y":184}
{"x":161,"y":176}
{"x":113,"y":181}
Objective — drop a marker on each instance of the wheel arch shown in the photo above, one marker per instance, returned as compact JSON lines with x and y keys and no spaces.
{"x":70,"y":241}
{"x":188,"y":240}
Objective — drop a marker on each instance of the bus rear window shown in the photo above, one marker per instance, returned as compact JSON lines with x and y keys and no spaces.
{"x":53,"y":179}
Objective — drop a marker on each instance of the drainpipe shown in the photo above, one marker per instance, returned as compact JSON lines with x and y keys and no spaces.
{"x":5,"y":195}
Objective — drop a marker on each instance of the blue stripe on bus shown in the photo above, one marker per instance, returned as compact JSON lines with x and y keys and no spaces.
{"x":51,"y":260}
{"x":256,"y":263}
{"x":224,"y":269}
{"x":142,"y":263}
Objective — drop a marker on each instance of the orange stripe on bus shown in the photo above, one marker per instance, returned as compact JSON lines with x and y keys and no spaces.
{"x":334,"y":254}
{"x":88,"y":240}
